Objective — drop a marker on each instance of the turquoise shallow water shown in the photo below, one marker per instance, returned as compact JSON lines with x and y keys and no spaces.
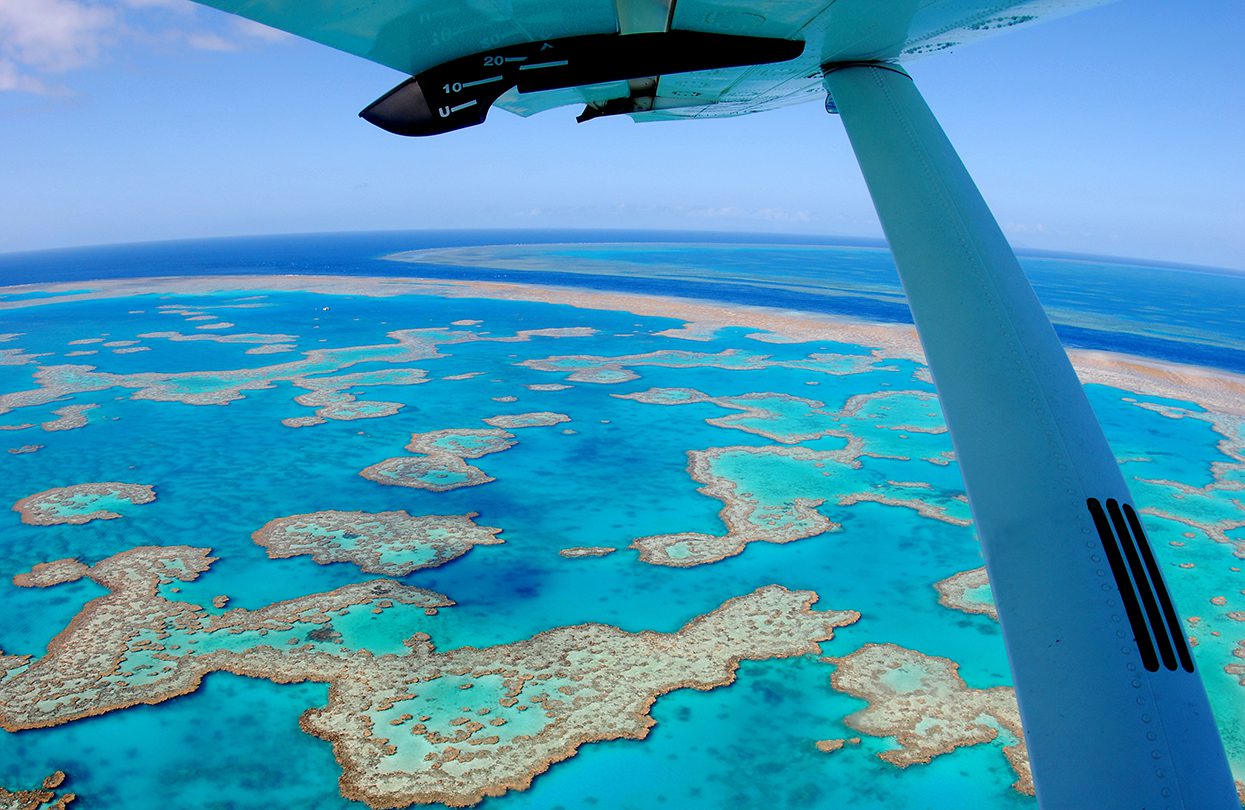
{"x":615,"y":472}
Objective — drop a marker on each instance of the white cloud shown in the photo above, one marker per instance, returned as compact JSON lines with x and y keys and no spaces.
{"x":762,"y":214}
{"x":208,"y":41}
{"x":250,"y":28}
{"x":40,"y":39}
{"x":12,"y":79}
{"x":53,"y":36}
{"x":173,"y":5}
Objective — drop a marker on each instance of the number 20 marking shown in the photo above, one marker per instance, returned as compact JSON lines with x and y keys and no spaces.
{"x":490,"y":61}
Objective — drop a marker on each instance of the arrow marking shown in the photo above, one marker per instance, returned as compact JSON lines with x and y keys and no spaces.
{"x":538,"y":65}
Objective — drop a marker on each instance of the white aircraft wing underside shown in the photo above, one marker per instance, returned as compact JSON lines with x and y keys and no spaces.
{"x":414,"y":35}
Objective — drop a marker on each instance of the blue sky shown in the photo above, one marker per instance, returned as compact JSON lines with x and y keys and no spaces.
{"x":1114,"y":131}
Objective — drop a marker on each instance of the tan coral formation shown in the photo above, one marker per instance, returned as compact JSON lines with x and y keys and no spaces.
{"x":1237,"y":670}
{"x":1214,"y":389}
{"x":596,"y":369}
{"x":70,"y":417}
{"x":749,"y":519}
{"x":272,"y":348}
{"x":836,"y":744}
{"x":617,"y":369}
{"x":74,"y":504}
{"x":923,"y":703}
{"x":746,"y":520}
{"x":47,"y":574}
{"x":587,"y":551}
{"x":390,"y":543}
{"x":225,"y":386}
{"x":953,"y":592}
{"x":331,"y":398}
{"x":516,"y":421}
{"x":751,"y":414}
{"x":441,"y":461}
{"x":418,"y":727}
{"x":587,"y":683}
{"x":17,"y":357}
{"x":925,"y":509}
{"x":133,"y":645}
{"x":302,"y":421}
{"x":236,"y":337}
{"x":792,"y":420}
{"x":1226,"y":476}
{"x":45,"y":797}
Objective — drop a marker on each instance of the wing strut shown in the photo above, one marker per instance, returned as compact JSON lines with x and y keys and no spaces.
{"x":1113,"y":712}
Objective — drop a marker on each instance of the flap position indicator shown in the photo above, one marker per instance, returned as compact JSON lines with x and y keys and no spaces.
{"x":459,"y":93}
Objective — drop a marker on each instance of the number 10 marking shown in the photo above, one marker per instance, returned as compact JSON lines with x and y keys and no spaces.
{"x":458,"y":87}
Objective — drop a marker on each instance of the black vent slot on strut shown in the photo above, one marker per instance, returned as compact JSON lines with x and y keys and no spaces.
{"x":1155,"y":625}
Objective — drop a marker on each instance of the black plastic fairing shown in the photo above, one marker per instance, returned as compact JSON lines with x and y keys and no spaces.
{"x":459,"y":93}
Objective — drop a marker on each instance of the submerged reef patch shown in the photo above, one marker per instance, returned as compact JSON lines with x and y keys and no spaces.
{"x":56,"y":572}
{"x":772,"y":494}
{"x":780,"y":417}
{"x":330,"y":395}
{"x":303,"y":421}
{"x":70,"y":417}
{"x":17,"y":357}
{"x":1198,"y":507}
{"x":883,"y":437}
{"x":48,"y":796}
{"x":82,"y":503}
{"x":257,"y":338}
{"x":134,"y":645}
{"x":515,"y":421}
{"x":460,"y":726}
{"x":441,"y":464}
{"x":587,"y":551}
{"x":968,"y":591}
{"x":390,"y":543}
{"x":923,"y":703}
{"x":223,"y":387}
{"x":1237,"y":670}
{"x":609,"y":370}
{"x":878,"y":424}
{"x":747,"y":519}
{"x":420,"y":726}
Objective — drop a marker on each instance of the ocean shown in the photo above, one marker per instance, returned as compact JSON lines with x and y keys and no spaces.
{"x":742,"y":457}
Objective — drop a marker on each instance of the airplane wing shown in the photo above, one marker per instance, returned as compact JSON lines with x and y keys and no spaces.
{"x":416,"y":36}
{"x":1115,"y":715}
